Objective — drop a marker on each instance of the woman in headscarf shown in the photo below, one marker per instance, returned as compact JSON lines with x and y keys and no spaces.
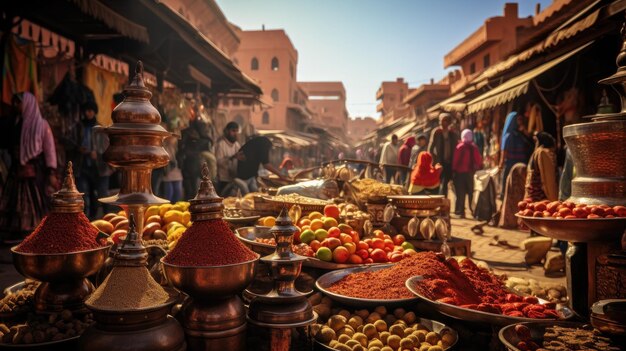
{"x":513,"y":193}
{"x":425,"y":179}
{"x":516,"y":146}
{"x":541,"y":183}
{"x":32,"y":177}
{"x":465,"y":162}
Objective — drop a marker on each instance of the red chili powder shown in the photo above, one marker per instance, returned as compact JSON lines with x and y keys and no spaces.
{"x":209,"y":243}
{"x":61,"y":233}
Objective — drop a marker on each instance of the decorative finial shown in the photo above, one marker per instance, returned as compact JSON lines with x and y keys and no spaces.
{"x":207,"y":204}
{"x":139,"y":68}
{"x":138,"y":78}
{"x":68,"y":199}
{"x":132,"y":252}
{"x":605,"y":106}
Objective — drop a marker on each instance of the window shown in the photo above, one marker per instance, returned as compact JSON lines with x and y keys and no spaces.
{"x":274,"y":64}
{"x":486,"y":61}
{"x":254,"y":65}
{"x":275,"y":95}
{"x":472,"y":68}
{"x":295,"y":97}
{"x":266,"y":118}
{"x":291,"y":69}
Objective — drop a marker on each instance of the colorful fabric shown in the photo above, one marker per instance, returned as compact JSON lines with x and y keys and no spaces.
{"x":514,"y":193}
{"x":424,"y":174}
{"x":104,"y":85}
{"x":541,"y":180}
{"x":36,"y":135}
{"x":19,"y":72}
{"x":404,"y":154}
{"x":466,"y":158}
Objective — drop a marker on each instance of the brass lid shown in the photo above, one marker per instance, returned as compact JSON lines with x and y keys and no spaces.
{"x":283,"y":231}
{"x":207,"y":204}
{"x":68,"y":199}
{"x":132,"y":253}
{"x":136,"y":107}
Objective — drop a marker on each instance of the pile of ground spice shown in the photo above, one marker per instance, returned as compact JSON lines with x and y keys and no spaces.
{"x":388,"y":284}
{"x":61,"y":233}
{"x":209,"y":243}
{"x":127,"y":288}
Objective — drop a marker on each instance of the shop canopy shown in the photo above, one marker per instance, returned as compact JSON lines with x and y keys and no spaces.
{"x":454,"y":103}
{"x":287,"y":139}
{"x":516,"y":86}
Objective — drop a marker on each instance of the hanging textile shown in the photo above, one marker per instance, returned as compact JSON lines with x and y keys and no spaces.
{"x":104,"y":85}
{"x":535,"y":119}
{"x":19,"y":72}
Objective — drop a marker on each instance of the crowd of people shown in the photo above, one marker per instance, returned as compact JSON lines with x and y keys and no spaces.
{"x":527,"y":166}
{"x":34,"y":171}
{"x":423,"y":165}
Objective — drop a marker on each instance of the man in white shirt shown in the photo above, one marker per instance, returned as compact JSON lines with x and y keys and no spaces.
{"x":389,"y":156}
{"x":226,"y":154}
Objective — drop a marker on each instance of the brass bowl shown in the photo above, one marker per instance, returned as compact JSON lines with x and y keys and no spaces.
{"x":417,"y":202}
{"x":509,"y":337}
{"x":61,"y":267}
{"x":577,"y":230}
{"x":211,"y":281}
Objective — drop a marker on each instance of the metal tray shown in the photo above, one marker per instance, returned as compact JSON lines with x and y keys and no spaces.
{"x":475,"y":316}
{"x":577,"y":230}
{"x":432,"y":325}
{"x":247,"y":235}
{"x":509,"y":337}
{"x":330,"y":278}
{"x":242,"y":220}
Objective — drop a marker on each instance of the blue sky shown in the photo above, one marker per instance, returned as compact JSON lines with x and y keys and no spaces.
{"x":365,"y":42}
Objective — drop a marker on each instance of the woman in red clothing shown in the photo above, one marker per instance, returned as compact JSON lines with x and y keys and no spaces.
{"x":465,"y":162}
{"x":425,"y":178}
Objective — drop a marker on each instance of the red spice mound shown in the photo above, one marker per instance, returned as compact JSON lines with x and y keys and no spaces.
{"x":209,"y":243}
{"x":61,"y":233}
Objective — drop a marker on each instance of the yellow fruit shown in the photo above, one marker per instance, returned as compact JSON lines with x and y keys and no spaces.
{"x":184,"y":204}
{"x":171,"y":226}
{"x":269,"y":221}
{"x":178,"y":207}
{"x":176,"y":234}
{"x":103,"y":226}
{"x":330,"y":222}
{"x":315,"y":215}
{"x":122,"y":213}
{"x":173,"y":216}
{"x":189,"y":224}
{"x":153,"y":219}
{"x":172,"y":244}
{"x":152,"y":211}
{"x":186,"y":217}
{"x":316,"y":224}
{"x":164,"y":208}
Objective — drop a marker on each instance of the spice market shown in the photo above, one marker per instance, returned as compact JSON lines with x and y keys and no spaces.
{"x":142,"y":206}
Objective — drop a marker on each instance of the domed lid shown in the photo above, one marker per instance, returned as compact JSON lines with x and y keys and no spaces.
{"x":136,"y":107}
{"x":207,"y":204}
{"x":68,"y":199}
{"x":132,"y":252}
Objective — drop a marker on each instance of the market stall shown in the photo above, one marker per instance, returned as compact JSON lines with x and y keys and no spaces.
{"x":353,"y":265}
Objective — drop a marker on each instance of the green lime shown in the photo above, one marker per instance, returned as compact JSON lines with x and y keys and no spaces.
{"x":324,"y":254}
{"x":407,"y":245}
{"x":321,"y":234}
{"x":307,"y":236}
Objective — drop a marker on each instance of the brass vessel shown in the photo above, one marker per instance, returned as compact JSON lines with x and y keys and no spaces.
{"x":139,"y":329}
{"x":136,"y":148}
{"x":213,"y":316}
{"x":63,"y":275}
{"x":281,"y":319}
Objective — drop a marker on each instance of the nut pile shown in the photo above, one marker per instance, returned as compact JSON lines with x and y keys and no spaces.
{"x":299,"y":199}
{"x":558,"y":338}
{"x":39,"y":329}
{"x":366,"y":189}
{"x":380,"y":331}
{"x":550,"y":292}
{"x":20,"y":301}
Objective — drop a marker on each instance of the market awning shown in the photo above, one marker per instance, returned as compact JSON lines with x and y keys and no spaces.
{"x":564,"y":32}
{"x":516,"y":86}
{"x":287,"y":139}
{"x":403,"y":130}
{"x":452,"y":104}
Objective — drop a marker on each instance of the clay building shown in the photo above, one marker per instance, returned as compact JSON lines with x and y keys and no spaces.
{"x":390,"y":95}
{"x":327,"y":101}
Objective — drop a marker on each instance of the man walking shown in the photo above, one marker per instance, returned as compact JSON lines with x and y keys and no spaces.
{"x":442,"y":144}
{"x":225,"y":153}
{"x":389,"y":156}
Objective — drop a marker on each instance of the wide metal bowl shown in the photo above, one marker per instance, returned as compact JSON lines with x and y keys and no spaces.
{"x":60,"y":345}
{"x":432,"y":325}
{"x":418,"y":202}
{"x":62,"y":267}
{"x":475,"y":316}
{"x":328,"y":279}
{"x":579,"y":229}
{"x":509,"y":337}
{"x":211,"y":281}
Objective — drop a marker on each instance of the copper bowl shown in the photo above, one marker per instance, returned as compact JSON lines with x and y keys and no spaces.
{"x":211,"y":281}
{"x":61,"y":267}
{"x":579,"y":229}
